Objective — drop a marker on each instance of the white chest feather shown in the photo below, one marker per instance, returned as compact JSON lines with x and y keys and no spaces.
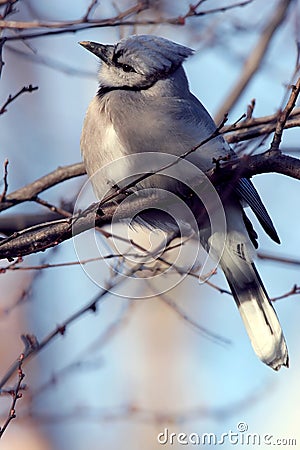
{"x":102,"y":150}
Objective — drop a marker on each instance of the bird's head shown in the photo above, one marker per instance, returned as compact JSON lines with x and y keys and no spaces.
{"x":138,"y":61}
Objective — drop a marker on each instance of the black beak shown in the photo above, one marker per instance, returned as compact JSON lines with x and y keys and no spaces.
{"x":104,"y":52}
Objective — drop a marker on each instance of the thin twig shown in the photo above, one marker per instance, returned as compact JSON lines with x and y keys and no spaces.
{"x":14,"y":267}
{"x":252,"y":128}
{"x":16,"y":395}
{"x":254,"y":122}
{"x":81,"y":362}
{"x":284,"y":115}
{"x":237,"y":132}
{"x":2,"y":42}
{"x":163,"y":417}
{"x":5,"y":181}
{"x":24,"y":296}
{"x":43,"y":236}
{"x":92,"y":6}
{"x":193,"y":9}
{"x":278,"y":259}
{"x":56,"y":28}
{"x":9,"y":7}
{"x":30,"y":191}
{"x":55,"y":209}
{"x":87,"y":23}
{"x":216,"y":338}
{"x":255,"y":57}
{"x":69,"y":25}
{"x":250,"y":109}
{"x":33,"y":346}
{"x":11,"y":98}
{"x":49,"y":61}
{"x":294,"y":291}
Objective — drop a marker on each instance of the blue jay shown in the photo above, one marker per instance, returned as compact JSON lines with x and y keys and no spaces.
{"x":144,"y":104}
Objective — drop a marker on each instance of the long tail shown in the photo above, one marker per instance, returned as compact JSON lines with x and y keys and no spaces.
{"x":256,"y":310}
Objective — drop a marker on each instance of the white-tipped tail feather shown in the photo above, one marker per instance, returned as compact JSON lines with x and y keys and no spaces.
{"x":236,"y":253}
{"x":255,"y":308}
{"x":258,"y":315}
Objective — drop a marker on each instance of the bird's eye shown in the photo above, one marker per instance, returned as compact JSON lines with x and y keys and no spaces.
{"x":127,"y":68}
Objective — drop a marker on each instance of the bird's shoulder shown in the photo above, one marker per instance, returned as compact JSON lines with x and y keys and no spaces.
{"x":169,"y":111}
{"x":143,"y":123}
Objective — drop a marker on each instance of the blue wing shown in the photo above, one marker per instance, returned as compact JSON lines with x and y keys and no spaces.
{"x":247,"y":192}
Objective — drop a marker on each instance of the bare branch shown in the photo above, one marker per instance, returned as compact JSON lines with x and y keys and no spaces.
{"x":15,"y":267}
{"x":16,"y":395}
{"x":270,"y":161}
{"x":152,"y":416}
{"x":87,"y":23}
{"x":2,"y":42}
{"x":55,"y":209}
{"x":255,"y":127}
{"x":11,"y":98}
{"x":204,"y":331}
{"x":117,"y":21}
{"x":294,"y":291}
{"x":9,"y":7}
{"x":278,"y":259}
{"x":5,"y":182}
{"x":29,"y":192}
{"x":92,"y":6}
{"x":32,"y":346}
{"x":237,"y":132}
{"x":48,"y":61}
{"x":284,"y":115}
{"x":250,"y":109}
{"x":193,"y":9}
{"x":71,"y":25}
{"x":10,"y":223}
{"x":43,"y":236}
{"x":255,"y":57}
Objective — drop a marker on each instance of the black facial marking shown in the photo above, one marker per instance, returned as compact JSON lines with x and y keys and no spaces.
{"x":115,"y":59}
{"x":117,"y":54}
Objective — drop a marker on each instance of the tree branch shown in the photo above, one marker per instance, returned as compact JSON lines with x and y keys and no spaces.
{"x":16,"y":395}
{"x":241,"y":131}
{"x":30,"y":191}
{"x":32,"y":346}
{"x":278,"y":259}
{"x":121,"y":19}
{"x":43,"y":236}
{"x":11,"y":98}
{"x":260,"y":126}
{"x":5,"y":182}
{"x":255,"y":57}
{"x":284,"y":115}
{"x":248,"y":166}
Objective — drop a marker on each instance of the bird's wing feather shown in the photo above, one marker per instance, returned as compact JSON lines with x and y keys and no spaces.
{"x":183,"y":124}
{"x":247,"y":192}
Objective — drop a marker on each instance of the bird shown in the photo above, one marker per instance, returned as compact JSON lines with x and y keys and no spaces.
{"x":144,"y":105}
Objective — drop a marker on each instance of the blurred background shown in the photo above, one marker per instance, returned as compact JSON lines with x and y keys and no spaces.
{"x":118,"y":377}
